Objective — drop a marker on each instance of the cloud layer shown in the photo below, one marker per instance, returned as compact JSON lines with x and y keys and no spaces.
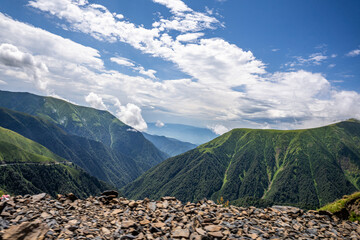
{"x":228,"y":86}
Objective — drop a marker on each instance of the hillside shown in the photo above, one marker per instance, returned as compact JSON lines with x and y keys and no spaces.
{"x":170,"y":146}
{"x":93,"y":156}
{"x":14,"y":148}
{"x":26,"y":167}
{"x":88,"y":123}
{"x":307,"y":168}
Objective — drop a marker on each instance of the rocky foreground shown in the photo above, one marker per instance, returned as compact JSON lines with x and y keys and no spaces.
{"x":109,"y":217}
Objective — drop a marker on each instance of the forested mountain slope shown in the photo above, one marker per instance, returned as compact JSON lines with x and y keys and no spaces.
{"x":308,"y":168}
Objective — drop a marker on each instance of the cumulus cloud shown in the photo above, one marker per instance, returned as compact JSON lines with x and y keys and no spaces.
{"x":175,"y":6}
{"x":217,"y":70}
{"x":11,"y":56}
{"x":150,"y":73}
{"x":122,"y":61}
{"x":189,"y":37}
{"x":218,"y":129}
{"x":131,"y":115}
{"x":41,"y":42}
{"x":159,"y":124}
{"x":95,"y":101}
{"x":353,"y":53}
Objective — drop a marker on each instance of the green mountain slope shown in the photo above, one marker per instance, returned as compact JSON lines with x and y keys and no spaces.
{"x":88,"y":123}
{"x":93,"y":156}
{"x":15,"y":148}
{"x":27,"y":167}
{"x":307,"y":168}
{"x":170,"y":146}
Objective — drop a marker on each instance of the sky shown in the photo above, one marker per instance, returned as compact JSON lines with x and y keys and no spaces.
{"x":219,"y":64}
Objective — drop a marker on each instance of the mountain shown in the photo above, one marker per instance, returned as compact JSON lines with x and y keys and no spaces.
{"x":307,"y":168}
{"x":170,"y":146}
{"x":182,"y":132}
{"x":88,"y":123}
{"x":27,"y":167}
{"x":96,"y":158}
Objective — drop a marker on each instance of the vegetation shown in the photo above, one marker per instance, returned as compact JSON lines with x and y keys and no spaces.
{"x":349,"y":204}
{"x":305,"y":168}
{"x":21,"y":179}
{"x":28,"y":168}
{"x":222,"y":202}
{"x":16,"y":148}
{"x":120,"y":140}
{"x":93,"y":156}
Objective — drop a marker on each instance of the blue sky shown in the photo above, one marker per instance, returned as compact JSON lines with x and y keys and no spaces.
{"x":210,"y":63}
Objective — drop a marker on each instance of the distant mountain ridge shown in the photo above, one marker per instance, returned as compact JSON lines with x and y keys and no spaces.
{"x":184,"y":133}
{"x":86,"y":128}
{"x":170,"y":146}
{"x":307,"y":168}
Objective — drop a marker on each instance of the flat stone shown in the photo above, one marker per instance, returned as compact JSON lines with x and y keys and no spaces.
{"x":105,"y":231}
{"x":158,"y":224}
{"x":144,"y":222}
{"x":132,"y":204}
{"x":181,"y":233}
{"x":200,"y":231}
{"x":110,"y":193}
{"x":26,"y":231}
{"x":216,"y":234}
{"x":45,"y":215}
{"x":116,"y":211}
{"x":38,"y":197}
{"x":168,"y":198}
{"x":152,"y":206}
{"x":213,"y":228}
{"x":128,"y":224}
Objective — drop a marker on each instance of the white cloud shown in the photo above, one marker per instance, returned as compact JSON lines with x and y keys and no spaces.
{"x":122,"y":61}
{"x":333,"y":55}
{"x":175,"y":6}
{"x":127,"y":62}
{"x":159,"y":124}
{"x":2,"y":82}
{"x":218,"y":129}
{"x":189,"y":37}
{"x":150,"y":73}
{"x":11,"y":56}
{"x":275,"y":49}
{"x":188,"y":22}
{"x":95,"y":101}
{"x":312,"y":59}
{"x":353,"y":53}
{"x":217,"y":70}
{"x":41,"y":42}
{"x":332,"y":65}
{"x":131,"y":115}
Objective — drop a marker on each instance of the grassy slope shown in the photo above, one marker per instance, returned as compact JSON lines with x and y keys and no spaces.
{"x":93,"y":156}
{"x":16,"y":148}
{"x":47,"y":175}
{"x":307,"y":168}
{"x":341,"y":204}
{"x":89,"y":123}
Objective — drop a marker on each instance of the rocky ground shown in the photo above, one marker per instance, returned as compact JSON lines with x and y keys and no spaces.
{"x":109,"y":217}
